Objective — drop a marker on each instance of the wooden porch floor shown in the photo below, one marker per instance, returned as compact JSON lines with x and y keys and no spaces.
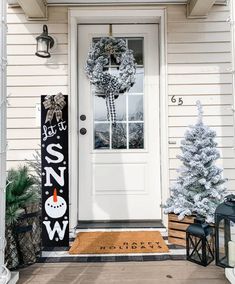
{"x":162,"y":272}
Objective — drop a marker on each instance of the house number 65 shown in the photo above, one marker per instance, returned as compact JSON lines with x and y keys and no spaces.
{"x":178,"y":101}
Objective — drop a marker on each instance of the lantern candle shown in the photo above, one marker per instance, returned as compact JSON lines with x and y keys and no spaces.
{"x":231,"y":253}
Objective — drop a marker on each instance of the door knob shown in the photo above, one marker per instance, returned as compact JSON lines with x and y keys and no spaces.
{"x":83,"y":131}
{"x":83,"y":117}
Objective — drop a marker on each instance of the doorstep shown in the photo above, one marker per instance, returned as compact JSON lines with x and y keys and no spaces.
{"x":62,"y":255}
{"x":121,"y":224}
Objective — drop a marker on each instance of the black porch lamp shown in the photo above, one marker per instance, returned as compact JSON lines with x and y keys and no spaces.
{"x":200,"y":242}
{"x":44,"y":43}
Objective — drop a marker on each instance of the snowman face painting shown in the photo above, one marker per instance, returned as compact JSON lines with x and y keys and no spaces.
{"x":55,"y":206}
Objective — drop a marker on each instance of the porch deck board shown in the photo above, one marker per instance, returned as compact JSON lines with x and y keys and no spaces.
{"x":164,"y":272}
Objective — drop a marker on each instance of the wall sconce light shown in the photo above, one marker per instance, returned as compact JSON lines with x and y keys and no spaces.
{"x":44,"y":43}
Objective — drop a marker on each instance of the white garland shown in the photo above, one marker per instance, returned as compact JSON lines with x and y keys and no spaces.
{"x":104,"y":82}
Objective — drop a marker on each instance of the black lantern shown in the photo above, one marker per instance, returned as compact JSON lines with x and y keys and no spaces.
{"x":44,"y":43}
{"x":200,"y":242}
{"x":225,"y":232}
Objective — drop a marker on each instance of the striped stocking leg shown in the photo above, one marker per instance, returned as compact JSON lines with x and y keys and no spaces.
{"x":112,"y":108}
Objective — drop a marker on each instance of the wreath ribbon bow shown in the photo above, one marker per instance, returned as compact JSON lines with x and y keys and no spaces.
{"x":54,"y":106}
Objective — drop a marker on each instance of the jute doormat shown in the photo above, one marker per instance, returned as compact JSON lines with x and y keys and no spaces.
{"x":118,"y":242}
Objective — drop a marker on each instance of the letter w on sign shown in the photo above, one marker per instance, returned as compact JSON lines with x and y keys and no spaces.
{"x":56,"y":229}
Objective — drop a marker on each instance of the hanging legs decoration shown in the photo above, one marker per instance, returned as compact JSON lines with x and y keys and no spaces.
{"x":111,"y":110}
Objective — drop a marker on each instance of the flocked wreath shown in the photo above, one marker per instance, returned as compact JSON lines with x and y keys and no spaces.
{"x":105,"y":83}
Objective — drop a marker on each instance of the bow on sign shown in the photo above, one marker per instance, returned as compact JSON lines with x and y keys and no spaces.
{"x":54,"y":104}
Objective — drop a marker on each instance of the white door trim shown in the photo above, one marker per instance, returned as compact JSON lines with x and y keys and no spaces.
{"x":114,"y":15}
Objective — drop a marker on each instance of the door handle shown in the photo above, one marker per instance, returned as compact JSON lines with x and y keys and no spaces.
{"x":83,"y":131}
{"x":83,"y":117}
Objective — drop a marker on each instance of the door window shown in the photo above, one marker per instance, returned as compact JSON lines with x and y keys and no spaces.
{"x":129,"y":130}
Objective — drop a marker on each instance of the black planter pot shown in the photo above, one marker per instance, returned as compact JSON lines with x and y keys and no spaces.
{"x":25,"y":245}
{"x":11,"y":250}
{"x":33,"y":214}
{"x":23,"y":239}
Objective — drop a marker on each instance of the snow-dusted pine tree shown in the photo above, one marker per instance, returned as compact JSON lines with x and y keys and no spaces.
{"x":200,"y":186}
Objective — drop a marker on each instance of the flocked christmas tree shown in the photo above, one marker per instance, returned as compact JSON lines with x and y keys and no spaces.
{"x":200,"y":186}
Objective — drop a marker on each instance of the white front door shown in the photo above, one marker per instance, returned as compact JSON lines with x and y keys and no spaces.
{"x":119,"y":169}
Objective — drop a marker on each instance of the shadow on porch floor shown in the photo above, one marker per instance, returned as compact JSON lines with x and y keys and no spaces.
{"x":162,"y":272}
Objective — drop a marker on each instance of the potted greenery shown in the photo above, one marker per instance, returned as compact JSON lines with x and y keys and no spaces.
{"x":200,"y":186}
{"x":20,"y":197}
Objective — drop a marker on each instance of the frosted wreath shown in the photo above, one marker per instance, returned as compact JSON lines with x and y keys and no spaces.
{"x":111,"y":85}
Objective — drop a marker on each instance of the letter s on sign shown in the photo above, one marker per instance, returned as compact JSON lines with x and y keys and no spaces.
{"x":57,"y":154}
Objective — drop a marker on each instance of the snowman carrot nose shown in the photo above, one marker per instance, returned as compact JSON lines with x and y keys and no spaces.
{"x":55,"y":195}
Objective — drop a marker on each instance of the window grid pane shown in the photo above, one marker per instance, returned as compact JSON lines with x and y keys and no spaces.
{"x":123,"y":136}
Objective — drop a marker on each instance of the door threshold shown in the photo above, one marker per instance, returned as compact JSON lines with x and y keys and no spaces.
{"x":120,"y":224}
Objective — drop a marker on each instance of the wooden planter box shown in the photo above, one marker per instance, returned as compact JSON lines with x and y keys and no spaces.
{"x":177,"y":229}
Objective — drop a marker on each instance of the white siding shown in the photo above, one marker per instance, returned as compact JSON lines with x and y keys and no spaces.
{"x":30,"y":76}
{"x":199,"y":67}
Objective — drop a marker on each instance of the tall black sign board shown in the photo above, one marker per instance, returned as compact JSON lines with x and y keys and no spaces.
{"x":55,"y":183}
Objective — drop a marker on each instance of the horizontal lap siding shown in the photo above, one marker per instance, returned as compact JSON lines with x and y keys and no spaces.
{"x":199,"y":68}
{"x":29,"y":77}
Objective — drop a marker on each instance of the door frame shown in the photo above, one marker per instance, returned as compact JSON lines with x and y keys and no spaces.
{"x":104,"y":15}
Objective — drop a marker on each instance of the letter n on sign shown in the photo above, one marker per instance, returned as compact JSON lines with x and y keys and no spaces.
{"x":55,"y":182}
